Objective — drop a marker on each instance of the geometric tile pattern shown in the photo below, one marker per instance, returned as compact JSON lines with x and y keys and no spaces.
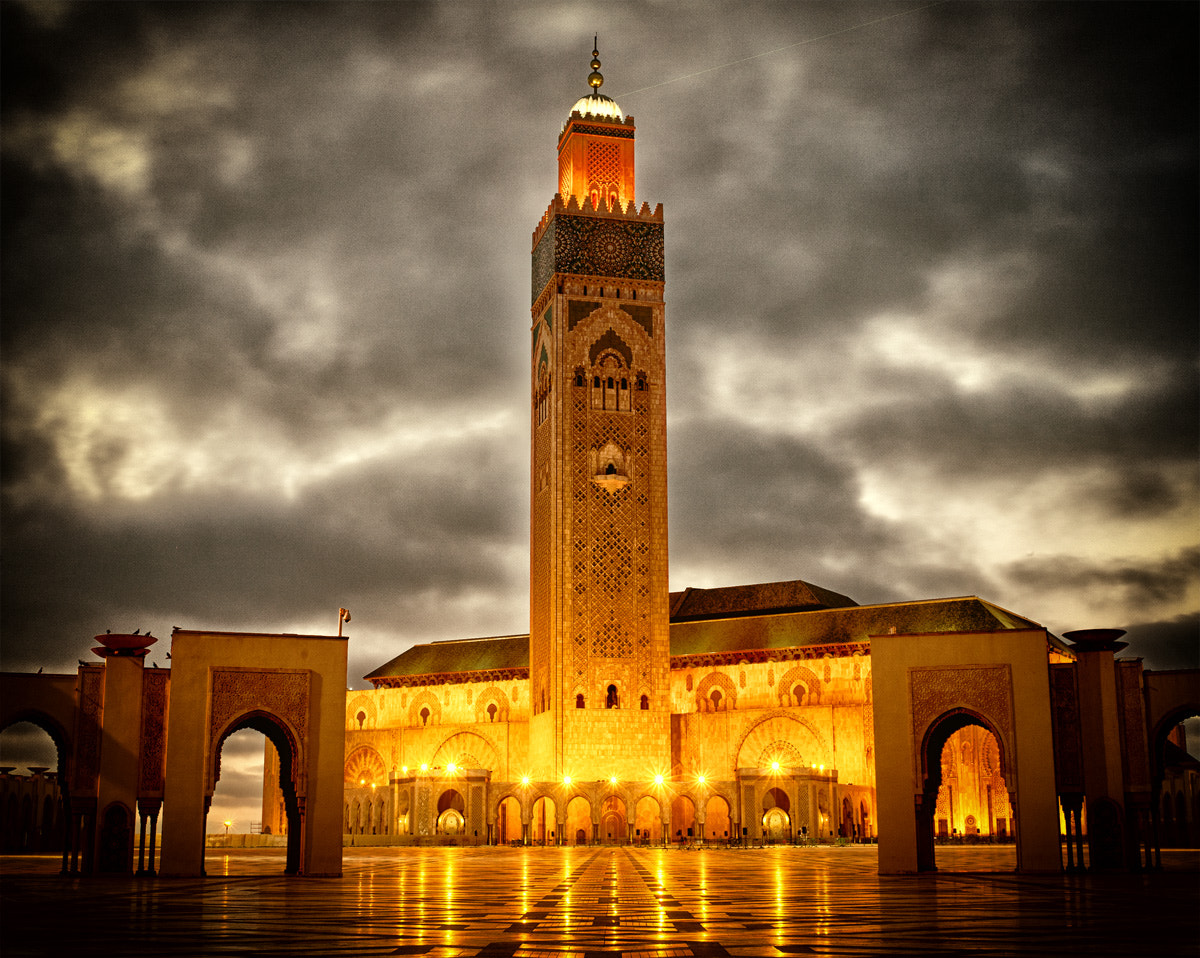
{"x":597,"y":246}
{"x":596,"y":901}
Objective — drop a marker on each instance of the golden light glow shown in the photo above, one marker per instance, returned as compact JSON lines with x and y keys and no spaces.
{"x":404,"y":769}
{"x":424,"y":766}
{"x":566,"y":779}
{"x":524,"y":779}
{"x":775,"y":766}
{"x":451,"y":768}
{"x":658,"y":779}
{"x":700,"y":779}
{"x":612,"y":780}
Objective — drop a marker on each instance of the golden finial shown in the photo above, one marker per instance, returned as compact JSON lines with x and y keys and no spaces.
{"x":595,"y":78}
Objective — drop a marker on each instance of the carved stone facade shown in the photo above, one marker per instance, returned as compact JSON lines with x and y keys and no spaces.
{"x":280,"y":693}
{"x":598,"y":643}
{"x":983,"y":690}
{"x":156,"y":687}
{"x":1068,"y":758}
{"x":88,"y":730}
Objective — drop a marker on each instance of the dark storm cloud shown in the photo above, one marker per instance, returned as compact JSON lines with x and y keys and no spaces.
{"x":753,"y":506}
{"x":899,"y":150}
{"x":262,"y":170}
{"x":237,"y":797}
{"x":1173,"y":644}
{"x":24,"y":745}
{"x":265,"y":282}
{"x":258,"y":562}
{"x":1139,"y":583}
{"x":1032,"y":426}
{"x":1135,"y":491}
{"x":734,"y":489}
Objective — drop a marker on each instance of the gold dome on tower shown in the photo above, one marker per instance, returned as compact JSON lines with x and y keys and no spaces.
{"x":596,"y":103}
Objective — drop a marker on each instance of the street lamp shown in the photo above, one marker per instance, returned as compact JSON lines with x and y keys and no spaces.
{"x":228,"y":822}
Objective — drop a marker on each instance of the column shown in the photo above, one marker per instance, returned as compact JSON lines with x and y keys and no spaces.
{"x":141,"y":869}
{"x":153,"y":835}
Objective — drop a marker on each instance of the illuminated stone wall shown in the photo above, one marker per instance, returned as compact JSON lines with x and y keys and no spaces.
{"x":972,"y":802}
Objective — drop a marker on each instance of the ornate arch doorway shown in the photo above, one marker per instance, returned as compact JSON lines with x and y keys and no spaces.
{"x":222,"y":682}
{"x":965,"y":795}
{"x":277,"y":733}
{"x":928,"y":687}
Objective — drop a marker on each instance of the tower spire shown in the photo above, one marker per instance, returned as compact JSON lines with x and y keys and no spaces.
{"x":599,"y":643}
{"x":596,"y":78}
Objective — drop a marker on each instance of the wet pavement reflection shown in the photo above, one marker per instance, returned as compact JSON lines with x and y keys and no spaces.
{"x":601,"y":901}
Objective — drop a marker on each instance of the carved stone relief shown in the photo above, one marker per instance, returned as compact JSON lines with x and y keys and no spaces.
{"x":88,"y":731}
{"x":984,"y":689}
{"x":282,"y":693}
{"x":154,"y":733}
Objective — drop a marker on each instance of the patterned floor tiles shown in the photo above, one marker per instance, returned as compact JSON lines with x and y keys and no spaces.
{"x":601,"y":902}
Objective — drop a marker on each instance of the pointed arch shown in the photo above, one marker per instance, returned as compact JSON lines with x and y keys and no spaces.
{"x":781,"y":729}
{"x":362,"y":704}
{"x":427,"y":701}
{"x":465,"y":749}
{"x":493,"y":695}
{"x":716,"y":681}
{"x":365,"y":766}
{"x":796,"y":677}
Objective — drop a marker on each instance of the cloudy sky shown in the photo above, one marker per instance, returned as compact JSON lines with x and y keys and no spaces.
{"x":931,"y":286}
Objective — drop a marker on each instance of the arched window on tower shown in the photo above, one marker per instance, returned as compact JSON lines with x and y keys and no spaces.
{"x":610,"y":383}
{"x":541,"y":395}
{"x":716,"y":700}
{"x":491,"y":712}
{"x":645,"y":703}
{"x":612,"y":701}
{"x":579,"y":701}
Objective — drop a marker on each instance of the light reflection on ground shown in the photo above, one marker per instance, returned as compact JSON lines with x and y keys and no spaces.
{"x":601,"y":900}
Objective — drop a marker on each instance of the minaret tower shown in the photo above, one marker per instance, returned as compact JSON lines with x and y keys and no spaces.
{"x":599,"y":649}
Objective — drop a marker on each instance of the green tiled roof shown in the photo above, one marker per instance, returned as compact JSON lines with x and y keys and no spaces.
{"x":698,"y":631}
{"x":833,"y":626}
{"x":459,"y":655}
{"x":764,"y":597}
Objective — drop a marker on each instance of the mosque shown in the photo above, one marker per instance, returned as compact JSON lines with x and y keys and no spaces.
{"x":630,"y":713}
{"x":774,"y":712}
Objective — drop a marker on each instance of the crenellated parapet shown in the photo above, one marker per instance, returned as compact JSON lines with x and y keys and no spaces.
{"x":598,"y":241}
{"x":590,"y":123}
{"x":572,"y":207}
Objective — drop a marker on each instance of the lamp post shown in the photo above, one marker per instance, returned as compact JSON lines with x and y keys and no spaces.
{"x":227,"y":823}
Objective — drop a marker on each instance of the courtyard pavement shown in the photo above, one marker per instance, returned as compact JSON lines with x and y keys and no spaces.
{"x":597,"y":902}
